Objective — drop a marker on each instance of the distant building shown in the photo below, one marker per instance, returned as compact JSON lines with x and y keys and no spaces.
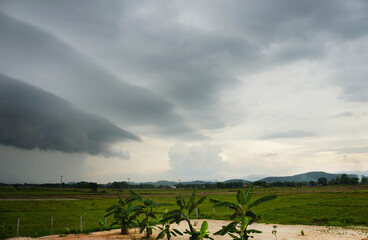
{"x":173,"y":187}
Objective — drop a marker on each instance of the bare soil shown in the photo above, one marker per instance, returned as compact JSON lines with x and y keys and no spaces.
{"x":284,"y":232}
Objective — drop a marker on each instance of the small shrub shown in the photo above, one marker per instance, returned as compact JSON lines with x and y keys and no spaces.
{"x":166,"y":230}
{"x":147,"y":210}
{"x":101,"y":224}
{"x":183,"y":214}
{"x":302,"y":232}
{"x":243,"y":215}
{"x":124,"y":213}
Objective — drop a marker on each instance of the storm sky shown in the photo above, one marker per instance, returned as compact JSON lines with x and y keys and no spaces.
{"x":190,"y":90}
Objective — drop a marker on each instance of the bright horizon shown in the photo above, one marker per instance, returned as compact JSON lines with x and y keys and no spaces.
{"x":182,"y":90}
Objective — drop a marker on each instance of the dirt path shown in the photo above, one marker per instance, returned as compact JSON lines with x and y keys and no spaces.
{"x":284,"y":232}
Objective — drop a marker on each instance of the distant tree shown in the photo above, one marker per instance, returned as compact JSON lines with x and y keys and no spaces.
{"x":344,"y":179}
{"x":93,"y":186}
{"x":332,"y":181}
{"x":312,"y":183}
{"x":354,"y":181}
{"x":322,"y":181}
{"x":364,"y":180}
{"x":82,"y":184}
{"x":119,"y":185}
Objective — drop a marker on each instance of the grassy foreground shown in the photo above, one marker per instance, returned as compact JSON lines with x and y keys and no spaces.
{"x":331,"y":205}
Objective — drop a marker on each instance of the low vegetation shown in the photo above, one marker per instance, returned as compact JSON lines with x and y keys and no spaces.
{"x":184,"y":214}
{"x":333,"y":205}
{"x":124,"y":213}
{"x":243,"y":216}
{"x":167,"y":231}
{"x":147,"y":210}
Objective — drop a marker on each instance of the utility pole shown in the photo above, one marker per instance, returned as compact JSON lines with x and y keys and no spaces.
{"x":128,"y":182}
{"x":179,"y":183}
{"x":61,"y":181}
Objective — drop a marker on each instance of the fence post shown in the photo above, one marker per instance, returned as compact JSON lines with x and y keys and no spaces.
{"x":18,"y":227}
{"x":81,"y":223}
{"x":52,"y":221}
{"x":165,"y":210}
{"x":105,"y":221}
{"x":196,"y":212}
{"x":213,"y":210}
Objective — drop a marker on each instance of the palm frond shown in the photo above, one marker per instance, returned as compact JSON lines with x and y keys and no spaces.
{"x":172,"y":213}
{"x":180,"y":201}
{"x":225,"y":204}
{"x":231,"y":227}
{"x":248,"y":193}
{"x":251,"y":214}
{"x":214,"y":201}
{"x":261,"y":200}
{"x":240,"y":197}
{"x":136,"y":196}
{"x":129,"y":200}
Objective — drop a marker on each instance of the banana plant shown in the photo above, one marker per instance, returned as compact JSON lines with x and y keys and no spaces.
{"x":243,"y":216}
{"x":148,"y":222}
{"x":168,"y":231}
{"x":202,"y":233}
{"x":183,"y":214}
{"x":124,"y":213}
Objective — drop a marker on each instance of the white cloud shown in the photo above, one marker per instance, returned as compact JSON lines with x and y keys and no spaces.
{"x":196,"y":161}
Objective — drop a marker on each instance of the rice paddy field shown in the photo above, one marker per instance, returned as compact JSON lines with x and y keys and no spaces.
{"x":330,"y":205}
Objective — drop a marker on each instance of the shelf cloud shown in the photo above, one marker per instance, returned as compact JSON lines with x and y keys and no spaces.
{"x":31,"y":118}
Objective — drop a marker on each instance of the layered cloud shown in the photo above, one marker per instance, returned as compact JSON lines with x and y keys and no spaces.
{"x":187,"y":53}
{"x":54,"y":66}
{"x":197,"y":75}
{"x":31,"y":118}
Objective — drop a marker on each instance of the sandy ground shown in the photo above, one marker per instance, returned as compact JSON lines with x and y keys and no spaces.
{"x":284,"y":232}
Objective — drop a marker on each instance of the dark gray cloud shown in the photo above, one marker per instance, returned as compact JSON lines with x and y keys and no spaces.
{"x":189,"y":52}
{"x":289,"y":134}
{"x":31,"y":118}
{"x":43,"y":60}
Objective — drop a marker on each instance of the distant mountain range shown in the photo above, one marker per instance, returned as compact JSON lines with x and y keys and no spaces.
{"x":197,"y":182}
{"x":304,"y":177}
{"x":236,"y":180}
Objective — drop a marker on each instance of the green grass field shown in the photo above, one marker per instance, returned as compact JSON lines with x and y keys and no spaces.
{"x":331,"y":205}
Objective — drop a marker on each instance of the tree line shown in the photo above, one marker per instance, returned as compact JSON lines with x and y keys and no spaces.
{"x":344,"y":179}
